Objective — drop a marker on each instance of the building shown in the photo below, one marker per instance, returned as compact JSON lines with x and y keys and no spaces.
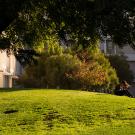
{"x":109,"y":48}
{"x":10,"y":69}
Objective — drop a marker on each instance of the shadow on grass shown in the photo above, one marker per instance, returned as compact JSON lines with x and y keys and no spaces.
{"x":22,"y":89}
{"x":17,"y":89}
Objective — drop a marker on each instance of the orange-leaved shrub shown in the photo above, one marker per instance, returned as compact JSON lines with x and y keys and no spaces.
{"x":103,"y":71}
{"x":89,"y":75}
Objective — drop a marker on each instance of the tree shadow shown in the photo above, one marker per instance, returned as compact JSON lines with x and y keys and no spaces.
{"x":17,"y":89}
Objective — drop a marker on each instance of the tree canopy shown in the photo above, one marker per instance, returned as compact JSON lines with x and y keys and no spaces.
{"x":27,"y":22}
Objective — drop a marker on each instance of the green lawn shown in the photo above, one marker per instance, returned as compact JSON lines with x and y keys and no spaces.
{"x":64,"y":112}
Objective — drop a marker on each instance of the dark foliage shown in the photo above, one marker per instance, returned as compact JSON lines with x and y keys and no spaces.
{"x":122,"y":68}
{"x":81,"y":20}
{"x":26,"y":56}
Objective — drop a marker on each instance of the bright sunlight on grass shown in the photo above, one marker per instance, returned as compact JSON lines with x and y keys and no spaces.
{"x":64,"y":112}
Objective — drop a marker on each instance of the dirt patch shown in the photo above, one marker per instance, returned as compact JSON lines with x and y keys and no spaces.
{"x":49,"y":117}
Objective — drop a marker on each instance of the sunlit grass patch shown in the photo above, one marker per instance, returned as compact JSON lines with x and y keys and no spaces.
{"x":65,"y":112}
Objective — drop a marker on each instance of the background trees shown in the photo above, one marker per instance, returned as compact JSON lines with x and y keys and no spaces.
{"x":122,"y":68}
{"x":29,"y":21}
{"x":89,"y":70}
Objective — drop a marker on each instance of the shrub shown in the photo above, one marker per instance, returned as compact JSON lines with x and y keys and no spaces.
{"x":50,"y":72}
{"x":89,"y":71}
{"x":56,"y":68}
{"x":33,"y":77}
{"x":122,"y":68}
{"x":89,"y":75}
{"x":111,"y":79}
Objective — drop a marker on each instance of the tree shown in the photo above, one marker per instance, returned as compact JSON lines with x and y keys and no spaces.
{"x":82,"y":21}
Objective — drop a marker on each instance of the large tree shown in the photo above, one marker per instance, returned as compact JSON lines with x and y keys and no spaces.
{"x":28,"y":22}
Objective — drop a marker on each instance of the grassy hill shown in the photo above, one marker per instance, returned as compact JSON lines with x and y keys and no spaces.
{"x":64,"y":112}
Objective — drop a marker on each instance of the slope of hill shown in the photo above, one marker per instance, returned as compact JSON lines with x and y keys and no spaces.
{"x":64,"y":112}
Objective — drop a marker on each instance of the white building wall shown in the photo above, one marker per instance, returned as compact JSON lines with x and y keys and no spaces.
{"x":4,"y":64}
{"x":1,"y":79}
{"x":10,"y":68}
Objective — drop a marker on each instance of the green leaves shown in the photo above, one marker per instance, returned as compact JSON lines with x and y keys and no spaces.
{"x":79,"y":21}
